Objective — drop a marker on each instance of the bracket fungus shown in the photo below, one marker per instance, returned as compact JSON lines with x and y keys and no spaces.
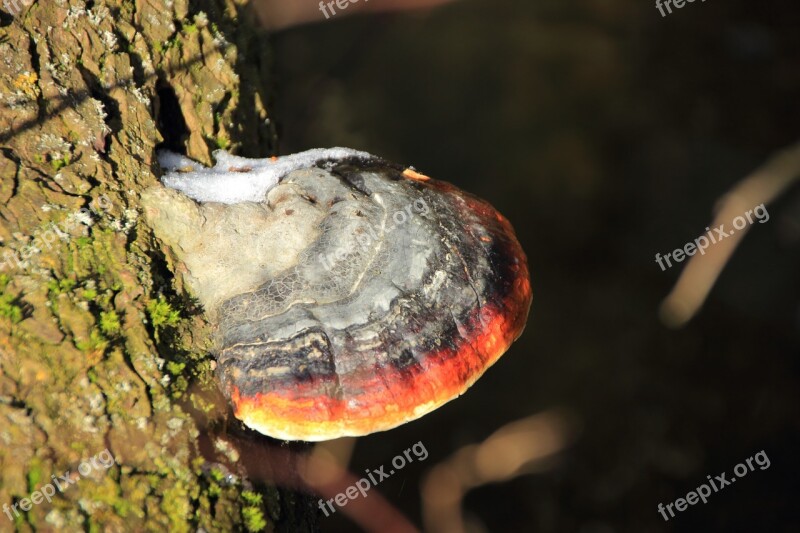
{"x":350,"y":294}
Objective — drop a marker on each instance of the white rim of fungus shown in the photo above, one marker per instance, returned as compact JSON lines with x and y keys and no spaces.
{"x":236,"y":179}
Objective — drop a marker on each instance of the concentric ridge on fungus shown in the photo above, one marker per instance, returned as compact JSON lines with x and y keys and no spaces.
{"x":351,"y":294}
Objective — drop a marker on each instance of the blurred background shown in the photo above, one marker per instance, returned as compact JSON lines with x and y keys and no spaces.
{"x":606,"y":133}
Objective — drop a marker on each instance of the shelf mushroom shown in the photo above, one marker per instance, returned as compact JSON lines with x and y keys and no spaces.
{"x":350,"y":294}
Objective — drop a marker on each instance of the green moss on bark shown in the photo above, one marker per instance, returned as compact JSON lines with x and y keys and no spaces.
{"x":98,"y":347}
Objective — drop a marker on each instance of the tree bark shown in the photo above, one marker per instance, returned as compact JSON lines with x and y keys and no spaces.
{"x":99,"y":346}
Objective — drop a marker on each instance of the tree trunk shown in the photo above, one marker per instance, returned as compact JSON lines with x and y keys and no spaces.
{"x":99,"y":347}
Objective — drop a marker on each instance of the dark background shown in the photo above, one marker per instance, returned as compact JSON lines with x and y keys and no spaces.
{"x":605,"y":133}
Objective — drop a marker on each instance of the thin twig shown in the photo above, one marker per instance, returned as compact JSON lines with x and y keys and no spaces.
{"x":702,"y":271}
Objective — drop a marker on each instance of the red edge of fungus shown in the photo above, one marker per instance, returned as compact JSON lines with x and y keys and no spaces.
{"x":306,"y":413}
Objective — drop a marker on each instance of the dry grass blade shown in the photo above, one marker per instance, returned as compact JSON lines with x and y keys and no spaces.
{"x":517,"y":448}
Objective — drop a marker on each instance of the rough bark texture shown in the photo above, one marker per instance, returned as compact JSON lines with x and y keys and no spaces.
{"x":98,"y":346}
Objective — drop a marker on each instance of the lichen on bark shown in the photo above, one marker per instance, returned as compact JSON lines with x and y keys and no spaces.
{"x":98,"y":343}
